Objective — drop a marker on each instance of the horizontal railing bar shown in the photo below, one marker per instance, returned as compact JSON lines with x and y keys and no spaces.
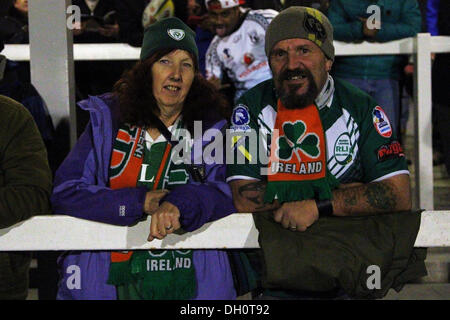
{"x":235,"y":231}
{"x":440,"y":44}
{"x":123,"y":51}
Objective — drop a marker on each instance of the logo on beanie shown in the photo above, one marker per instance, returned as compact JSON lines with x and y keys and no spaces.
{"x":176,"y":34}
{"x":315,"y":29}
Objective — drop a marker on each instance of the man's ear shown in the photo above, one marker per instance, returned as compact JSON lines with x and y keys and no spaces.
{"x":328,"y":65}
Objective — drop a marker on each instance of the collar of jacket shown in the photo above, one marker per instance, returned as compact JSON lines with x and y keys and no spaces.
{"x":325,"y":97}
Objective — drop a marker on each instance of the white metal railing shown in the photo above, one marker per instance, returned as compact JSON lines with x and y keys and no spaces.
{"x":123,"y":51}
{"x":238,"y":231}
{"x":234,"y":231}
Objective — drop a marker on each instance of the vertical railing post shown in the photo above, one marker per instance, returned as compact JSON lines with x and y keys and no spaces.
{"x":423,"y":162}
{"x":51,"y":61}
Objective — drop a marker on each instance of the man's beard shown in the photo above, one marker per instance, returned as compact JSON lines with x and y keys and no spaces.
{"x":288,"y":97}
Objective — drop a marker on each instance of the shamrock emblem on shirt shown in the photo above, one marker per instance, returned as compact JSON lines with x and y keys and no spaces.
{"x":295,"y":139}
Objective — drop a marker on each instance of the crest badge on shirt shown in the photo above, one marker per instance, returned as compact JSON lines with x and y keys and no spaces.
{"x":343,"y":149}
{"x":240,"y":118}
{"x":381,"y":122}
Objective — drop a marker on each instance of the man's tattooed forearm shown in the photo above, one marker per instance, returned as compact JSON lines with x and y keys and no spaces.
{"x":350,"y":199}
{"x":380,"y":196}
{"x":254,"y":192}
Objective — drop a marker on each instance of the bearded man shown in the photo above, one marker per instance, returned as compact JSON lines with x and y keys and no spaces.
{"x":334,"y":154}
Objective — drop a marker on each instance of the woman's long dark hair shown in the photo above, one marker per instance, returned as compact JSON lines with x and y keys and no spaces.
{"x":138,"y":105}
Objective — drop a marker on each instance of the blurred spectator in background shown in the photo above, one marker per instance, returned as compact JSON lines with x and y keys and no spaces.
{"x":199,"y":21}
{"x":264,"y":4}
{"x":135,"y":15}
{"x":407,"y":82}
{"x":377,"y":75}
{"x":438,"y":21}
{"x":237,"y":50}
{"x":279,"y":5}
{"x":26,"y":179}
{"x":321,"y":5}
{"x":25,"y":93}
{"x":129,"y":14}
{"x":98,"y":25}
{"x":13,"y":86}
{"x":14,"y":30}
{"x":25,"y":187}
{"x":98,"y":21}
{"x":14,"y":25}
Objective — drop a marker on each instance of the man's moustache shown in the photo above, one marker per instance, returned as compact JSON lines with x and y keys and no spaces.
{"x":288,"y":74}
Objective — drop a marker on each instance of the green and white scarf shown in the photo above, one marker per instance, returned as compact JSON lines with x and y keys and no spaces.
{"x":155,"y":274}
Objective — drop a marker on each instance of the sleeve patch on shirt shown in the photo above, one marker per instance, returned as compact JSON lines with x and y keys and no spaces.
{"x":381,"y":122}
{"x":240,"y":118}
{"x":390,"y":151}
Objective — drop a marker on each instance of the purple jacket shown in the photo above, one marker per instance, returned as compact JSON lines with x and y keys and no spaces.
{"x":81,"y":190}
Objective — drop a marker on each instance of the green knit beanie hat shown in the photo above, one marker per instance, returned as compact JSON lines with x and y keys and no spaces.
{"x":304,"y":23}
{"x":167,"y":34}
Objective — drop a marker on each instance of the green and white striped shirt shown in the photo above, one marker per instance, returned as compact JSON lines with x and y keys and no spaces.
{"x":361,"y":146}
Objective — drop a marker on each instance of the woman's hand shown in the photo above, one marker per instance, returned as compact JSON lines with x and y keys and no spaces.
{"x":152,"y":199}
{"x":165,"y":220}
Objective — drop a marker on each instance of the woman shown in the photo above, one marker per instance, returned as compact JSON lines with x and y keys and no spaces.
{"x":121,"y":169}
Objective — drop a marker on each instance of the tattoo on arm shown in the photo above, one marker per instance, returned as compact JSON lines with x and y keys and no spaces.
{"x":380,"y":196}
{"x":365,"y":199}
{"x":350,"y":200}
{"x":254,"y":192}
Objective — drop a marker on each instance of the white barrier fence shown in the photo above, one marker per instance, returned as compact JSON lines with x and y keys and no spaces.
{"x":234,"y":231}
{"x":237,"y":231}
{"x":123,"y":51}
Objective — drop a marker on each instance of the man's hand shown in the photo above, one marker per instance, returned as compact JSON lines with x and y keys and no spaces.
{"x":152,"y":198}
{"x":165,"y":220}
{"x":297,"y":215}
